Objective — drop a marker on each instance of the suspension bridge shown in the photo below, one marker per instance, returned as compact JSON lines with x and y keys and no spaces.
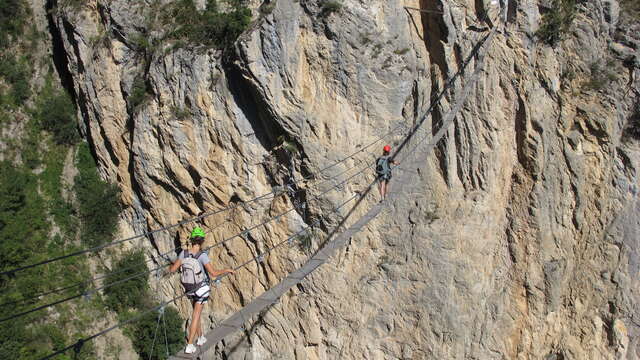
{"x":337,"y":238}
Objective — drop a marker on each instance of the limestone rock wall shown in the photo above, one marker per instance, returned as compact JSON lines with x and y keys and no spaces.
{"x":518,"y":238}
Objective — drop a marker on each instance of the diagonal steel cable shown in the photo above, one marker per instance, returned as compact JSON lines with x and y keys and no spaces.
{"x":160,"y":267}
{"x":80,"y":342}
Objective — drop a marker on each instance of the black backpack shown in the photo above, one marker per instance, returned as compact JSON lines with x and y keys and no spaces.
{"x":382,"y":166}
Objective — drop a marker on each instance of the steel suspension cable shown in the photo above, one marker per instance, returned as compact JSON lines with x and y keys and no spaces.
{"x":440,"y":96}
{"x":448,"y":85}
{"x":152,"y":259}
{"x":155,"y":335}
{"x":158,"y":268}
{"x":78,"y":344}
{"x":193,"y":219}
{"x":261,"y":256}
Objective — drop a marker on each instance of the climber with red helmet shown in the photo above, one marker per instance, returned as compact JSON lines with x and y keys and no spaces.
{"x":383,"y":171}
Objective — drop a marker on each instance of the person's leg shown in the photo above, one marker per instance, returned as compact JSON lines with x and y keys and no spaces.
{"x":384,"y":183}
{"x":193,"y":309}
{"x":195,"y":322}
{"x":199,"y":325}
{"x":386,"y":188}
{"x":380,"y":187}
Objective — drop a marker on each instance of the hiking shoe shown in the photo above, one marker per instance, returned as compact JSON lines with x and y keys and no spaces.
{"x":201,"y":340}
{"x":190,"y":349}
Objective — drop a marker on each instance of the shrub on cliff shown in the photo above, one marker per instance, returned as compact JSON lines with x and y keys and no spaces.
{"x":556,"y":21}
{"x":13,"y":15}
{"x":210,"y":27}
{"x":148,"y":335}
{"x":97,"y":201}
{"x":133,"y":292}
{"x":15,"y":73}
{"x":139,"y":93}
{"x":13,"y":70}
{"x":601,"y":74}
{"x":329,"y":7}
{"x":57,"y":114}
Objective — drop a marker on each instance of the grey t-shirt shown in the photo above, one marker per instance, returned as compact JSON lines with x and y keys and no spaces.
{"x":203,"y":259}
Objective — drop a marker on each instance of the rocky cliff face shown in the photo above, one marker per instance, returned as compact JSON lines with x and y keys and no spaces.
{"x":517,"y":239}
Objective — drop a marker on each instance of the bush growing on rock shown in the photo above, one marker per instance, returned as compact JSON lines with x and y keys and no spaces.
{"x":12,"y":19}
{"x":556,"y":22}
{"x":600,"y":76}
{"x":329,"y":7}
{"x":210,"y":27}
{"x":148,"y":329}
{"x":15,"y":72}
{"x":132,"y":293}
{"x":57,"y":114}
{"x":97,"y":201}
{"x":138,"y":94}
{"x":305,"y":240}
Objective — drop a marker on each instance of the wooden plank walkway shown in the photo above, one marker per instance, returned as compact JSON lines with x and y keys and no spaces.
{"x":236,"y":321}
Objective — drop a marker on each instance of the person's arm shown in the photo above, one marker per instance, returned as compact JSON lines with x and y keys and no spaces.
{"x":215,"y":273}
{"x":175,"y":265}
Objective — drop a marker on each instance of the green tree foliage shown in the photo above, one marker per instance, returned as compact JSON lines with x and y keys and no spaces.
{"x":16,"y":74}
{"x":23,"y":225}
{"x":31,"y":202}
{"x":98,"y":201}
{"x":132,"y":293}
{"x":13,"y":14}
{"x":131,"y":297}
{"x":23,"y":342}
{"x":57,"y":114}
{"x":12,"y":185}
{"x":25,"y":232}
{"x":139,"y":93}
{"x":556,"y":22}
{"x":14,"y":71}
{"x":143,"y":332}
{"x":329,"y":7}
{"x":210,"y":27}
{"x":52,"y":186}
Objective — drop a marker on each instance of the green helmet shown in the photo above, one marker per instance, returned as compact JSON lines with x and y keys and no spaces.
{"x":197,"y":232}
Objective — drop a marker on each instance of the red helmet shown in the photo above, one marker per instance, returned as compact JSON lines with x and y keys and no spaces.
{"x":386,"y":148}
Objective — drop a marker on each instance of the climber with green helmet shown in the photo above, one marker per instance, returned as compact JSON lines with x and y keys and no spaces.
{"x":383,"y":171}
{"x":192,"y":263}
